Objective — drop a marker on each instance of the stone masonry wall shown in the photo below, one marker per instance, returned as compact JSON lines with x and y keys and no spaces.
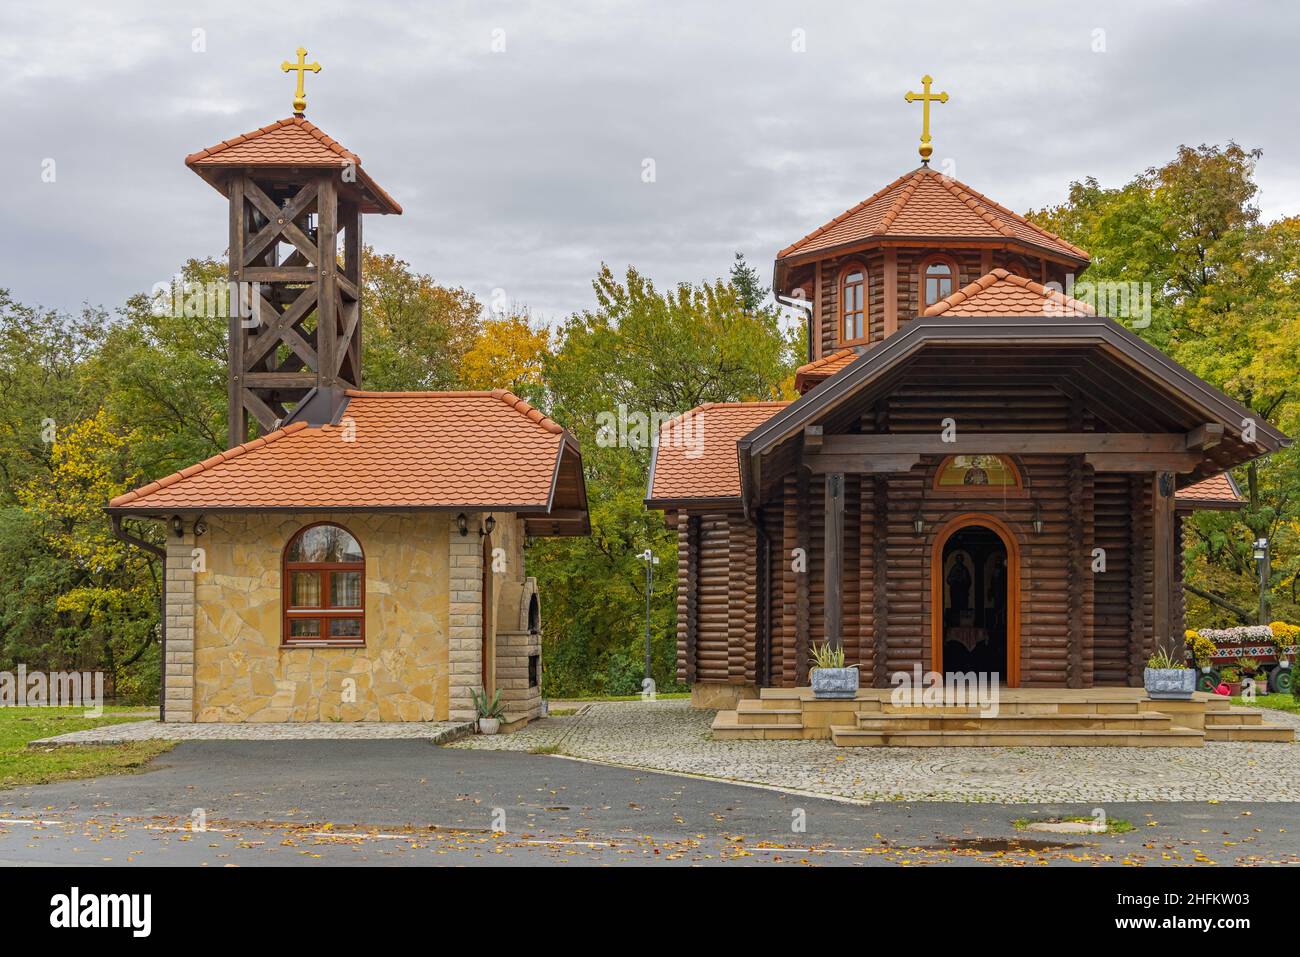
{"x":179,"y":623}
{"x":241,"y":671}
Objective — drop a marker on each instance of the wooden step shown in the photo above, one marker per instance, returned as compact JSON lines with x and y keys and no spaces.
{"x":1099,"y":721}
{"x":1257,"y":732}
{"x":1169,"y":738}
{"x":752,"y":715}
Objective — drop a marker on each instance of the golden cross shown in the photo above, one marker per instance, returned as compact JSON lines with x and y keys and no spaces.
{"x":925,"y":97}
{"x":301,"y":67}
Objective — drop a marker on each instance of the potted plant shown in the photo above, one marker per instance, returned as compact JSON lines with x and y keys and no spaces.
{"x":1167,"y":679}
{"x":1250,"y":669}
{"x":830,"y":678}
{"x":490,"y":712}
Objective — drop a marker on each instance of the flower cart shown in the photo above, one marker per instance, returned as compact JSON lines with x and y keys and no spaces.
{"x":1272,"y":648}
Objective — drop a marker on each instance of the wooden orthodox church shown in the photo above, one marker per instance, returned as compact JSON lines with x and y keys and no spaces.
{"x":980,"y":474}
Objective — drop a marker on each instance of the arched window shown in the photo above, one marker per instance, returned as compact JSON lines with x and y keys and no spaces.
{"x":938,"y":281}
{"x":324,"y":587}
{"x":976,"y":473}
{"x":853,"y":303}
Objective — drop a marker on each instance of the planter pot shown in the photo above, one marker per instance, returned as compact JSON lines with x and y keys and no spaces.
{"x":489,"y":725}
{"x":835,"y":682}
{"x":1169,"y":684}
{"x":1234,"y":688}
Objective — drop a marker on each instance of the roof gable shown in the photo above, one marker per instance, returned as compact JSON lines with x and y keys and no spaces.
{"x":925,"y":204}
{"x":1001,"y":293}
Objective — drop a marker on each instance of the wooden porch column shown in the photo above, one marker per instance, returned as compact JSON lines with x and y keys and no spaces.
{"x":1163,"y":559}
{"x":880,"y":591}
{"x":1136,"y":580}
{"x":802,"y":598}
{"x":834,"y":560}
{"x":692,"y":597}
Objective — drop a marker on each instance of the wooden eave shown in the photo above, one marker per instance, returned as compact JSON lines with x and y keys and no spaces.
{"x":885,"y":365}
{"x":368,"y":194}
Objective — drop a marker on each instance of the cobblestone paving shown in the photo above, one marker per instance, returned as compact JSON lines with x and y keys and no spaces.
{"x":436,"y":731}
{"x":670,"y":736}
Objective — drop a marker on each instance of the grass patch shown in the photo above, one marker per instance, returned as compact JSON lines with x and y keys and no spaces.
{"x":20,"y":764}
{"x":1114,"y":825}
{"x":1279,"y":702}
{"x":546,"y":749}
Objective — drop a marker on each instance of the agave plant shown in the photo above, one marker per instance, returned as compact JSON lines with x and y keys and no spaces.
{"x":1163,"y":660}
{"x":824,"y":656}
{"x":486,"y":708}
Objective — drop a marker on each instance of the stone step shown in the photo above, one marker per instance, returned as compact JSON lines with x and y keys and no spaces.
{"x":749,"y":715}
{"x":1259,"y":732}
{"x":849,"y":737}
{"x":1233,"y":718}
{"x":892,"y":722}
{"x":727,"y":727}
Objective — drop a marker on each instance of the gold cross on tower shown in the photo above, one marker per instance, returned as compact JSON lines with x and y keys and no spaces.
{"x":301,"y":67}
{"x":925,"y":97}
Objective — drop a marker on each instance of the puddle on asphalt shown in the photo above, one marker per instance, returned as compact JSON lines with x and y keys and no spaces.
{"x":996,"y":844}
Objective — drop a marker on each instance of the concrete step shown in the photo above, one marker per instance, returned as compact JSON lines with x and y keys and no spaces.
{"x":849,"y":737}
{"x":1083,"y":720}
{"x":747,"y":714}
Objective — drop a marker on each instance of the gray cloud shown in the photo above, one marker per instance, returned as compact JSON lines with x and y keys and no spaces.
{"x":522,"y":170}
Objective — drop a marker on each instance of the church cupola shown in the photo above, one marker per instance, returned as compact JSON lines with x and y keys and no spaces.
{"x":908,"y":247}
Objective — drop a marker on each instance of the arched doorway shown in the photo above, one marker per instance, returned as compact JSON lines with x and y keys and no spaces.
{"x":975,"y":598}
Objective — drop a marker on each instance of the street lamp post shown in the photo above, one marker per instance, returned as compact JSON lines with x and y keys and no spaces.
{"x":1261,"y":559}
{"x":651,"y":560}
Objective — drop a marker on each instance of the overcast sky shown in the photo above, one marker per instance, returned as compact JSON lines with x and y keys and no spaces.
{"x":521,"y":170}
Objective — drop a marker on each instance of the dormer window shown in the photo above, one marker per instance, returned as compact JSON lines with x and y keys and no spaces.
{"x":853,"y":303}
{"x":938,"y":281}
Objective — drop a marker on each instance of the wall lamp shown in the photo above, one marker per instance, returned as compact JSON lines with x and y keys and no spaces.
{"x":489,"y":526}
{"x":462,"y":524}
{"x":1038,"y":519}
{"x":918,"y":523}
{"x":200,"y":526}
{"x":178,"y":526}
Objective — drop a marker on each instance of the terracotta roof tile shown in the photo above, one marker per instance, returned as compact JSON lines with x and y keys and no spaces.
{"x":1001,"y":293}
{"x":1217,"y":489}
{"x":926,"y":204}
{"x":823,"y":368}
{"x":409,"y":449}
{"x":696,"y":453}
{"x":292,"y":141}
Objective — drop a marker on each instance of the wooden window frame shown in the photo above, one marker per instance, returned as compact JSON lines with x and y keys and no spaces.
{"x":926,"y":263}
{"x":325,"y":613}
{"x":856,"y":265}
{"x":980,"y":491}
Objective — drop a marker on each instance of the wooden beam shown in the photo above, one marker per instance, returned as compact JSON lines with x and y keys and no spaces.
{"x":1165,"y":462}
{"x":833,"y":612}
{"x":1007,"y":443}
{"x":812,"y":438}
{"x":692,"y":596}
{"x":327,"y":322}
{"x":1163,"y":560}
{"x":236,"y":414}
{"x":816,"y":319}
{"x":1205,"y":436}
{"x":880,"y":583}
{"x":824,"y":464}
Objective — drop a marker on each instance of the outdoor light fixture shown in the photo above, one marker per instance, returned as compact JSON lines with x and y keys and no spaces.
{"x":1261,"y":548}
{"x":1038,"y":519}
{"x":462,"y":523}
{"x":178,"y":526}
{"x":918,"y":523}
{"x":200,"y":526}
{"x":489,"y":526}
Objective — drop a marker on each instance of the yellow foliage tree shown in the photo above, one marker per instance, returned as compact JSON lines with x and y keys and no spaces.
{"x":507,"y":354}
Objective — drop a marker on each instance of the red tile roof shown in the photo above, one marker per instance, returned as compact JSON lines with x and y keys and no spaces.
{"x":408,"y":450}
{"x":925,"y":204}
{"x":289,"y":142}
{"x":820,"y":369}
{"x":1001,"y":293}
{"x":1217,"y":491}
{"x":696,"y":454}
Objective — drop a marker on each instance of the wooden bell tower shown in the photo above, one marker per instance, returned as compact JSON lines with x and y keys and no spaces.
{"x":297,"y":198}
